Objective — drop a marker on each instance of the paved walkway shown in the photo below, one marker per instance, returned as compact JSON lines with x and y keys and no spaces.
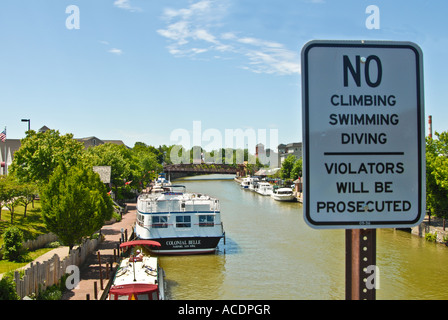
{"x":62,"y":252}
{"x":90,"y":269}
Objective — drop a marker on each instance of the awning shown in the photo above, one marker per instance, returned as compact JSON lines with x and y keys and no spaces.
{"x":135,"y":288}
{"x":134,"y":243}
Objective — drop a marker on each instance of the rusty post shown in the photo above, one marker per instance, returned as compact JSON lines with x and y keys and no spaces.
{"x":101,"y":273}
{"x":360,"y":253}
{"x":95,"y":290}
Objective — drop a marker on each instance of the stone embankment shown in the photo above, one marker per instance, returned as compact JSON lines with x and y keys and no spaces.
{"x":434,"y":226}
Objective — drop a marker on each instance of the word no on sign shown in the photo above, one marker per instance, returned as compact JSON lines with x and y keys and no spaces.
{"x":363,"y":129}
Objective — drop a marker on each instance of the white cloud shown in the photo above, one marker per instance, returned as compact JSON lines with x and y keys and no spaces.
{"x":126,"y":4}
{"x":116,"y":51}
{"x":191,"y":31}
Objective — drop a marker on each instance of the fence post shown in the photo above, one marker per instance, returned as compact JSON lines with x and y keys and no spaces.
{"x":95,"y":290}
{"x":101,"y":274}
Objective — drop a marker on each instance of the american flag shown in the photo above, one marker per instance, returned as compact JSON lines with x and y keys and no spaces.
{"x":3,"y":135}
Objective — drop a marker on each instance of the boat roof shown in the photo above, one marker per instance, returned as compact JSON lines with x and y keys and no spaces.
{"x":149,"y":243}
{"x":134,"y":288}
{"x":138,"y":272}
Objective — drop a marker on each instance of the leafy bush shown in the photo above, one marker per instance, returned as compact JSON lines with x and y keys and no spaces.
{"x":53,"y":292}
{"x":54,"y":244}
{"x":13,"y":249}
{"x":8,"y":288}
{"x":431,"y":236}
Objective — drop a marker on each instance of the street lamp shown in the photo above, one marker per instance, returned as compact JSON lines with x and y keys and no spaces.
{"x":27,"y":120}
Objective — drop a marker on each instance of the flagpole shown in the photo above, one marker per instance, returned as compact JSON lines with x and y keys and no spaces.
{"x":6,"y":157}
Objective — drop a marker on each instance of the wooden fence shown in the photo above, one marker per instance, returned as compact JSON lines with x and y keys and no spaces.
{"x":39,"y":276}
{"x":40,"y":241}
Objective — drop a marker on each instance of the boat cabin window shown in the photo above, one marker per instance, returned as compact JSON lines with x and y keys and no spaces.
{"x":140,"y":219}
{"x":183,"y":222}
{"x":159,"y":222}
{"x":206,"y":221}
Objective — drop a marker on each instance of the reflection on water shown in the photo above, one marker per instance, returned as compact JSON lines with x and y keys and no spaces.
{"x":270,"y":253}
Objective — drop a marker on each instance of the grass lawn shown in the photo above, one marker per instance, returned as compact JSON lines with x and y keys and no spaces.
{"x":6,"y":265}
{"x":32,"y":226}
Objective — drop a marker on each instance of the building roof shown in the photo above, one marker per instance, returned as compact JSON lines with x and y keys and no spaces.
{"x":43,"y":129}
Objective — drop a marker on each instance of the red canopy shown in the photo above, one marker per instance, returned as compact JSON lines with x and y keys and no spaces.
{"x":135,"y":288}
{"x":140,"y":243}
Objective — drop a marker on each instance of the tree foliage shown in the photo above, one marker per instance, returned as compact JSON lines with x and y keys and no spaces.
{"x":75,"y":203}
{"x":13,"y":245}
{"x":437,"y":174}
{"x":296,"y":170}
{"x":287,"y":167}
{"x":41,"y":152}
{"x":118,"y":157}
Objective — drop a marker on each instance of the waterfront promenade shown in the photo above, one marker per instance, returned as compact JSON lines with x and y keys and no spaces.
{"x":90,"y":270}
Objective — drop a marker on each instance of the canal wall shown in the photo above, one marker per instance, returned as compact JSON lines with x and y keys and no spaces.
{"x":434,"y":226}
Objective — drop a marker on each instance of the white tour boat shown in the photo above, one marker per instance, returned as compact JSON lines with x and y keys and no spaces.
{"x":138,"y":277}
{"x":283,"y":194}
{"x":264,"y":188}
{"x":183,"y":223}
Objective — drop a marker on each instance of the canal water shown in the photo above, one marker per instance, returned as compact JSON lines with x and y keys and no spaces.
{"x":270,"y":253}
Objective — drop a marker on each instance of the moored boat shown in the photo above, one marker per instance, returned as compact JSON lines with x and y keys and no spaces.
{"x":264,"y":188}
{"x":253,"y":182}
{"x":139,"y":276}
{"x":283,"y":194}
{"x":245,"y":183}
{"x":182,"y":222}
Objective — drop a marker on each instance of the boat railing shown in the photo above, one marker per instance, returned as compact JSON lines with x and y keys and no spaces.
{"x":193,"y":204}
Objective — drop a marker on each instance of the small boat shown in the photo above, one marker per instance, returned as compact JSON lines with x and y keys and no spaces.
{"x":138,"y":277}
{"x":161,"y":184}
{"x":253,"y":183}
{"x":182,"y":222}
{"x":245,"y":183}
{"x":264,"y":188}
{"x":283,"y":194}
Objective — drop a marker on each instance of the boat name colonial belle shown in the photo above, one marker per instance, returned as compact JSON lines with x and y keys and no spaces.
{"x":182,"y":222}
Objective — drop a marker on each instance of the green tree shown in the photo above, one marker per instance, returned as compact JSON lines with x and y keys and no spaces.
{"x":75,"y":203}
{"x":287,"y":166}
{"x":40,"y":153}
{"x":118,"y":157}
{"x":28,"y":192}
{"x":147,"y":159}
{"x":10,"y":193}
{"x":437,"y":174}
{"x":13,"y":248}
{"x":296,"y":170}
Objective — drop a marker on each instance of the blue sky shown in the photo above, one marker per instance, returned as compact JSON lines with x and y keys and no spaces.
{"x":136,"y":70}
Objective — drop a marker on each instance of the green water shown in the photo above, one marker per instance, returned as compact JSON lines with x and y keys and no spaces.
{"x":270,"y":253}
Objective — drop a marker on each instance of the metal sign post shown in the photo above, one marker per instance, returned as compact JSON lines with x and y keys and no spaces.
{"x":364,"y":145}
{"x":360,"y":256}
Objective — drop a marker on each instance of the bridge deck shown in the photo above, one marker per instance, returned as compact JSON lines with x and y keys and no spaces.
{"x":204,"y":168}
